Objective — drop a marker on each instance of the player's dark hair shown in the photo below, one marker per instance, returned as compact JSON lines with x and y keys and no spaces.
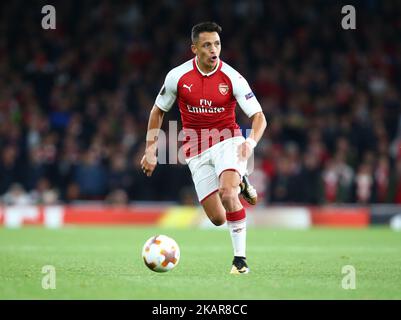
{"x":207,"y":26}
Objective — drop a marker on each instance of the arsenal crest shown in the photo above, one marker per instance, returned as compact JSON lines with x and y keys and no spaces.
{"x":223,"y":88}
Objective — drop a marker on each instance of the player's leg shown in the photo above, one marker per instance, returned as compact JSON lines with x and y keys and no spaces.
{"x":236,"y":218}
{"x":228,"y":190}
{"x":214,"y":208}
{"x":207,"y":187}
{"x":230,"y":170}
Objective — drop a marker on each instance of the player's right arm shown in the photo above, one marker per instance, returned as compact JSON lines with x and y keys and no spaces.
{"x":149,"y":159}
{"x":164,"y":102}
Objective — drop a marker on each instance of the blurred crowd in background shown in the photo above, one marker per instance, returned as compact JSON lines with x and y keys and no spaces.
{"x":75,"y":101}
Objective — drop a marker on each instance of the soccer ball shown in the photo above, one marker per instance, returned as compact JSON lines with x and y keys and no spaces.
{"x":161,"y":253}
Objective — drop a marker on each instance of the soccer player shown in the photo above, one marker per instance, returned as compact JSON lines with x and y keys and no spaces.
{"x":207,"y":91}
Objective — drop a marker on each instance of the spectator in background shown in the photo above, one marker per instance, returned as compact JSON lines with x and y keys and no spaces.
{"x":187,"y":197}
{"x":330,"y":182}
{"x":364,"y":186}
{"x":17,"y":196}
{"x":91,"y":177}
{"x":141,"y":188}
{"x":44,"y":194}
{"x":72,"y":193}
{"x":283,"y":186}
{"x":9,"y":168}
{"x":118,"y":197}
{"x":118,"y":175}
{"x":35,"y":169}
{"x":310,"y":179}
{"x":345,"y":177}
{"x":395,"y":184}
{"x":382,"y":178}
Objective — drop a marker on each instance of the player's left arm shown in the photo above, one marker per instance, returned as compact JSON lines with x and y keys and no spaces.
{"x":258,"y":127}
{"x":251,"y":107}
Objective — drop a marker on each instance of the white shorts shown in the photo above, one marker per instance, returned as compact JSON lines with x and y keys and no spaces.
{"x":207,"y":166}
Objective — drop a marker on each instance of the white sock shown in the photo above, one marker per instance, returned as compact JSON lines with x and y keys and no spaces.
{"x":238,"y":236}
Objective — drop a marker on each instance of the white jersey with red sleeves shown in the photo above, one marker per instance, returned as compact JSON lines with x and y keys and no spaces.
{"x":207,"y":103}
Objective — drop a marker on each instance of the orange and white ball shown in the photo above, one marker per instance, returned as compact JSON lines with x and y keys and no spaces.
{"x":161,"y":253}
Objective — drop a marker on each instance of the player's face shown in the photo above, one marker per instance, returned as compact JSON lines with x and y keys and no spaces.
{"x":207,"y":49}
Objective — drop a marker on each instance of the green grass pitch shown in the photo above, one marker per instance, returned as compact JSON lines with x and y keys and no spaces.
{"x":105,"y":263}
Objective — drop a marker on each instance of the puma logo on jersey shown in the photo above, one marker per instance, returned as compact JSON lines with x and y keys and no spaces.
{"x":187,"y":87}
